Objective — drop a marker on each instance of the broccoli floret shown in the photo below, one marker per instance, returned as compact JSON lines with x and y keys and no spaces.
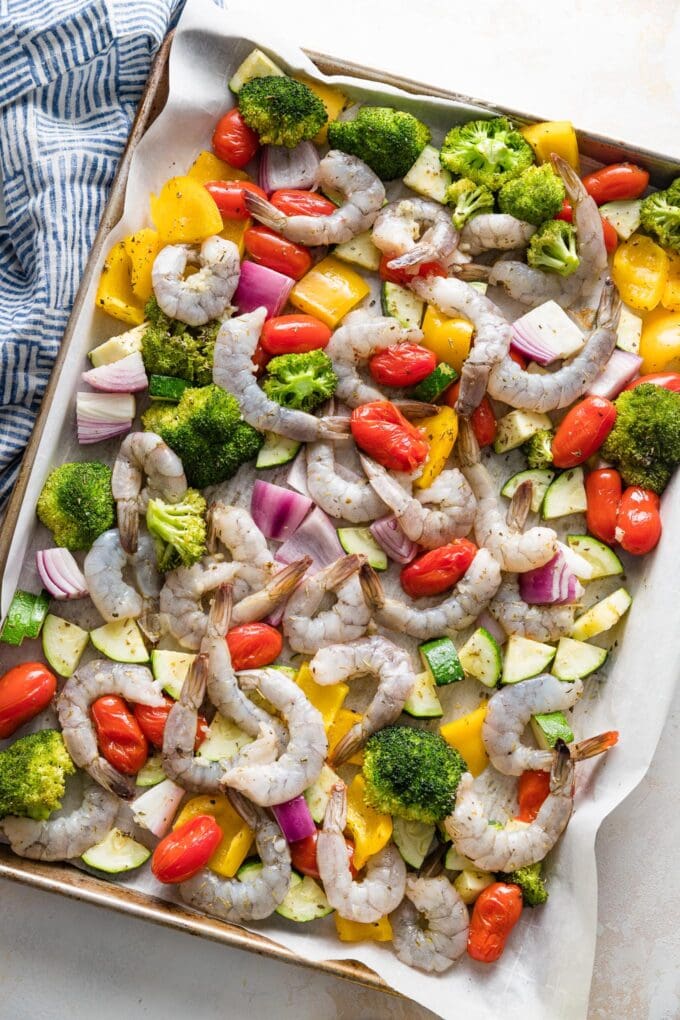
{"x":553,"y":248}
{"x":207,"y":432}
{"x":179,"y":530}
{"x":170,"y":347}
{"x":76,"y":503}
{"x":411,"y":773}
{"x":280,"y":110}
{"x":535,"y":196}
{"x":300,"y":381}
{"x":673,"y":191}
{"x":531,"y":882}
{"x":645,"y":441}
{"x":538,"y":449}
{"x":660,"y":215}
{"x":389,"y":141}
{"x":33,"y":774}
{"x":489,"y":152}
{"x":468,"y":199}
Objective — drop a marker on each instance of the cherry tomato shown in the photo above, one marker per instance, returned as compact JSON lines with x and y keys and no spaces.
{"x":439,"y":569}
{"x":270,"y":249}
{"x":566,"y":213}
{"x":603,"y":495}
{"x":294,"y":202}
{"x":402,"y":276}
{"x":294,"y":334}
{"x":230,"y":197}
{"x":260,"y":358}
{"x":120,"y":738}
{"x":518,"y":358}
{"x":616,"y":182}
{"x":402,"y":365}
{"x":496,"y":911}
{"x":611,"y":238}
{"x":532,"y":790}
{"x":152,"y":719}
{"x":233,"y":141}
{"x":583,"y":431}
{"x":638,"y":524}
{"x":669,"y":381}
{"x":185,"y":850}
{"x":482,"y":419}
{"x":303,"y":855}
{"x":25,"y":691}
{"x":252,"y":645}
{"x":381,"y":431}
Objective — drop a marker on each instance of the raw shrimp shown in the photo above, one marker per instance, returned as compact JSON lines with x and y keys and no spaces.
{"x":430,"y":926}
{"x":257,"y":894}
{"x":235,"y":529}
{"x":372,"y":656}
{"x":339,"y":173}
{"x":143,"y":454}
{"x":552,"y":390}
{"x":263,"y":602}
{"x":458,"y":610}
{"x":433,"y":516}
{"x":306,"y":628}
{"x":454,"y":297}
{"x":540,"y":623}
{"x":63,"y":838}
{"x":516,"y":551}
{"x":235,"y":371}
{"x":338,"y":492}
{"x":206,"y":294}
{"x":414,"y":230}
{"x":504,"y":849}
{"x":495,"y":232}
{"x":94,"y":680}
{"x":379,"y":892}
{"x":113,"y":597}
{"x":301,"y":762}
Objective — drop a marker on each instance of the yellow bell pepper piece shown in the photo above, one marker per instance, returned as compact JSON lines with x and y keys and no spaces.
{"x":184,"y":212}
{"x":670,"y":299}
{"x":329,"y":291}
{"x":207,"y":167}
{"x":326,"y":699}
{"x":640,"y":271}
{"x":553,"y":136}
{"x":235,"y":230}
{"x":237,"y":838}
{"x":660,"y":342}
{"x":370,"y":829}
{"x":449,"y":339}
{"x":465,"y":735}
{"x":355,"y":931}
{"x":334,"y":101}
{"x":115,"y":295}
{"x":341,"y":725}
{"x":142,"y":248}
{"x":441,"y":432}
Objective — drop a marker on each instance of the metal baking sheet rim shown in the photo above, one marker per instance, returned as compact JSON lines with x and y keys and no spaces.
{"x":66,"y":880}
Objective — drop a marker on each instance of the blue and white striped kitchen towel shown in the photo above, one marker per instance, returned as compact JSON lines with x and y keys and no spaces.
{"x":71,"y":75}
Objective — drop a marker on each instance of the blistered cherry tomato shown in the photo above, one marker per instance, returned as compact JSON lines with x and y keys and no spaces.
{"x":482,"y":419}
{"x":439,"y":569}
{"x":294,"y":334}
{"x":252,"y":645}
{"x":233,"y":141}
{"x":582,"y":431}
{"x":496,"y":911}
{"x":25,"y":691}
{"x":616,"y":182}
{"x":638,"y":523}
{"x":294,"y":202}
{"x":381,"y":431}
{"x":185,"y":850}
{"x":119,"y":736}
{"x":303,"y":855}
{"x":230,"y":197}
{"x":270,"y":249}
{"x":402,"y":276}
{"x":152,"y":720}
{"x":532,"y":790}
{"x":402,"y":365}
{"x":669,"y":381}
{"x":611,"y":238}
{"x":603,"y":495}
{"x":518,"y":358}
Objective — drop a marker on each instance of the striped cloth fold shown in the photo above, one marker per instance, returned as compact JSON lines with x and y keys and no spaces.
{"x":71,"y":76}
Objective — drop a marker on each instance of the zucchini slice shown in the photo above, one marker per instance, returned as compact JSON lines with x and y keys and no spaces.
{"x":428,"y":177}
{"x":577,"y":659}
{"x":481,"y":657}
{"x":276,"y":450}
{"x":256,"y":65}
{"x":318,"y":794}
{"x":540,"y":479}
{"x":223,"y":740}
{"x":434,"y":384}
{"x":603,"y":560}
{"x":441,"y":659}
{"x":167,"y":387}
{"x":550,"y":727}
{"x":63,"y":644}
{"x":413,"y":839}
{"x":525,"y":658}
{"x":116,"y":853}
{"x":360,"y":251}
{"x":566,"y":495}
{"x":121,"y":641}
{"x":402,"y":305}
{"x":171,"y":668}
{"x":602,"y":616}
{"x":360,"y":540}
{"x":305,"y":899}
{"x":424,"y":701}
{"x":516,"y":427}
{"x":24,"y":617}
{"x":151,"y":773}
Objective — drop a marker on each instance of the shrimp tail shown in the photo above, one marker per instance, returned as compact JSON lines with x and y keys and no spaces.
{"x":283,"y":583}
{"x":244,"y":807}
{"x":571,"y":180}
{"x":335,"y":818}
{"x":342,"y":570}
{"x":112,"y":780}
{"x":193,"y":688}
{"x":334,"y":427}
{"x":471,"y":271}
{"x":415,"y":410}
{"x":150,"y":625}
{"x":433,"y":864}
{"x":609,"y":308}
{"x":265,"y":212}
{"x":422,"y":252}
{"x":219,"y":618}
{"x":467,"y":446}
{"x":372,"y":588}
{"x":520,"y":505}
{"x":352,"y":742}
{"x":593,"y":746}
{"x":212,"y":540}
{"x":128,"y":524}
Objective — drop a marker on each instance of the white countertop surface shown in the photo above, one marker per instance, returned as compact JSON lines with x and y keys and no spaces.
{"x":611,"y":67}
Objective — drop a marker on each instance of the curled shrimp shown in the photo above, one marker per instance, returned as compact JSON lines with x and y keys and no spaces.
{"x":505,"y":849}
{"x":458,"y":610}
{"x":235,"y":372}
{"x":68,"y":836}
{"x":235,"y":529}
{"x":351,"y":346}
{"x":306,"y":628}
{"x":256,"y":895}
{"x":430,"y":926}
{"x":371,"y":656}
{"x":302,"y":760}
{"x":143,"y":455}
{"x":113,"y":597}
{"x":515,"y":550}
{"x":338,"y":492}
{"x":540,"y":623}
{"x":339,"y":173}
{"x":433,"y":516}
{"x":552,"y":390}
{"x":382,"y":888}
{"x":206,"y":294}
{"x":89,"y":682}
{"x":414,"y":230}
{"x":495,"y":232}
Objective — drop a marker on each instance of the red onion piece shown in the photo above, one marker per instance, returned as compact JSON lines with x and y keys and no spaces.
{"x":490,"y":623}
{"x":297,"y":476}
{"x":281,"y":167}
{"x":156,"y":807}
{"x":105,"y":408}
{"x":533,"y":349}
{"x":316,"y":537}
{"x":616,"y":374}
{"x":258,"y":286}
{"x":388,"y":534}
{"x":97,"y":432}
{"x":60,"y":574}
{"x":552,"y":584}
{"x":124,"y":376}
{"x":295,"y":819}
{"x":278,"y":512}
